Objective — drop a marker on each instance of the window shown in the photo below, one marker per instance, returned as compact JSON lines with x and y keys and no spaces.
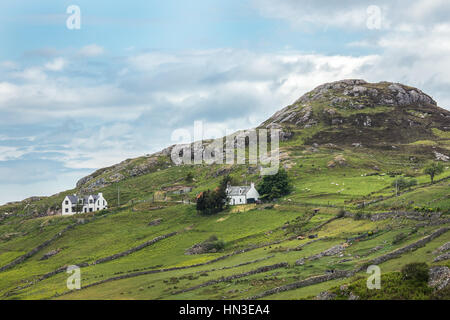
{"x":67,"y":209}
{"x":67,"y":202}
{"x":91,"y":201}
{"x":104,"y":202}
{"x":90,"y":209}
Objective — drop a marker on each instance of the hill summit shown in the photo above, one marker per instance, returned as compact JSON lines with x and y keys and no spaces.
{"x":346,"y":112}
{"x":374,"y":113}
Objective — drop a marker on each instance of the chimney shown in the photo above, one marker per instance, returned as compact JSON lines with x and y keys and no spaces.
{"x":100,"y":194}
{"x":252,"y":185}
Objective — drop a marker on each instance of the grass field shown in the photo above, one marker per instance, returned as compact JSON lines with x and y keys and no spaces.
{"x":327,"y":182}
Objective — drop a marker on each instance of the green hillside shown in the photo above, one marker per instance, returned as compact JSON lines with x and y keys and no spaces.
{"x":343,"y":145}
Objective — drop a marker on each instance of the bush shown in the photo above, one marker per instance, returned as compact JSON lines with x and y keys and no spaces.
{"x":341,"y":213}
{"x":402,"y":183}
{"x":433,"y":169}
{"x":416,"y":271}
{"x":213,"y":243}
{"x":275,"y":186}
{"x":211,"y":202}
{"x":189,"y":177}
{"x":398,"y":238}
{"x":358,"y":216}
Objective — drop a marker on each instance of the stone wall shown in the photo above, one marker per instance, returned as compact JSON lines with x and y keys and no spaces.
{"x":236,"y":276}
{"x":400,"y":251}
{"x":304,"y":283}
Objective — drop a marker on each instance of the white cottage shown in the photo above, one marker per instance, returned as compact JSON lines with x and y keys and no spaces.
{"x":73,"y":204}
{"x":242,"y":194}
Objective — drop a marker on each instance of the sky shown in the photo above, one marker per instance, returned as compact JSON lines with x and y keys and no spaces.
{"x":73,"y":100}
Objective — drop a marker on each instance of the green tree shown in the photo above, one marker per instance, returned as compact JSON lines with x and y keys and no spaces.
{"x":211,"y":202}
{"x":402,"y":183}
{"x":433,"y":169}
{"x":189,"y":177}
{"x":275,"y":186}
{"x":416,"y":271}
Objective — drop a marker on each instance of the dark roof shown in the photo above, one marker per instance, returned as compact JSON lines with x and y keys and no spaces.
{"x":237,"y":191}
{"x":73,"y":198}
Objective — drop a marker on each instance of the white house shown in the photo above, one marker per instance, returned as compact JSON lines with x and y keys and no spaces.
{"x":242,"y":194}
{"x":73,"y":204}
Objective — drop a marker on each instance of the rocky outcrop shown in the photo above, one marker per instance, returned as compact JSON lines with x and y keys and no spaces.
{"x":325,"y":295}
{"x":338,"y":160}
{"x":441,"y":157}
{"x":127,"y":168}
{"x":445,"y":247}
{"x":329,"y":252}
{"x":155,"y":222}
{"x":439,"y":277}
{"x":442,"y":257}
{"x":50,"y":254}
{"x":349,"y":108}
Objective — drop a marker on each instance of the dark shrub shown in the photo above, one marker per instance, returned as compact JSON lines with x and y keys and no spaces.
{"x":416,"y":271}
{"x":275,"y":186}
{"x":341,"y":213}
{"x":358,"y":216}
{"x":398,"y":238}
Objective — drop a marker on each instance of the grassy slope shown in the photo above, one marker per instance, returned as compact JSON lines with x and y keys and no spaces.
{"x":315,"y":186}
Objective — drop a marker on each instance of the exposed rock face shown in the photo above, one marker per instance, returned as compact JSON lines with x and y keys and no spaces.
{"x":325,"y":295}
{"x":362,"y":105}
{"x":329,"y":252}
{"x":348,"y":112}
{"x":442,"y":257}
{"x":439,"y":277}
{"x":125,"y":169}
{"x":155,"y":222}
{"x":338,"y":160}
{"x":441,"y":156}
{"x":445,"y":247}
{"x":50,"y":254}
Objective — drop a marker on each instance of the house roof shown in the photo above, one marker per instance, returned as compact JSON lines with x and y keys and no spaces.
{"x":237,"y":190}
{"x":74,"y":199}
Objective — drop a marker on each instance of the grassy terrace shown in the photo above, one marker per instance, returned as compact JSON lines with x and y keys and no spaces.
{"x":254,"y":235}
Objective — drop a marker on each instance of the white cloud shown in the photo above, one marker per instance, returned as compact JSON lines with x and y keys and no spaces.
{"x":33,"y":74}
{"x":352,"y":14}
{"x":149,"y":61}
{"x":92,"y":50}
{"x":8,"y":65}
{"x":8,"y":91}
{"x":56,"y":65}
{"x":12,"y":153}
{"x":87,"y":122}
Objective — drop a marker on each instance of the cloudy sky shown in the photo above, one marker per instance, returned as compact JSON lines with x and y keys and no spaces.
{"x":74,"y":100}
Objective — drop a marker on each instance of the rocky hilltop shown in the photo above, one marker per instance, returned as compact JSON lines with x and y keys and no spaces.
{"x":342,"y":112}
{"x":373,"y":112}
